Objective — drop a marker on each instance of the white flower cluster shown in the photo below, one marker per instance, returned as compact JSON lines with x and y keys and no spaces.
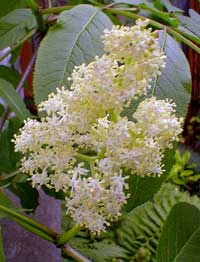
{"x":83,"y":145}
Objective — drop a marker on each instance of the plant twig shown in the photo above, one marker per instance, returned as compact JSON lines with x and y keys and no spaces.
{"x":28,"y":221}
{"x":170,"y":30}
{"x":4,"y":118}
{"x":54,"y":10}
{"x":69,"y":251}
{"x":26,"y":72}
{"x":66,"y":236}
{"x":35,"y":9}
{"x":20,"y":42}
{"x":18,"y":89}
{"x":46,"y":233}
{"x":85,"y":157}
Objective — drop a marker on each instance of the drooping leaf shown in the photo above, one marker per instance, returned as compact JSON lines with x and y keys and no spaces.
{"x":180,"y":237}
{"x":169,"y":6}
{"x":190,"y":24}
{"x":75,"y":39}
{"x":102,"y":251}
{"x":8,"y":93}
{"x":9,"y":158}
{"x":8,"y":6}
{"x":175,"y":81}
{"x":131,"y":2}
{"x":2,"y":256}
{"x":11,"y":75}
{"x":28,"y":195}
{"x":2,"y":109}
{"x":5,"y":201}
{"x":14,"y":26}
{"x":141,"y":228}
{"x":142,"y":189}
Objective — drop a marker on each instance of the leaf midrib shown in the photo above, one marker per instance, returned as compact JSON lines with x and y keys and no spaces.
{"x":74,"y":44}
{"x":184,"y":246}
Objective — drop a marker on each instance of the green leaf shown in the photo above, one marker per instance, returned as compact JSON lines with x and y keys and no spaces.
{"x":141,"y":228}
{"x":102,"y":251}
{"x":131,"y":2}
{"x":52,"y":192}
{"x":190,"y":24}
{"x":180,"y":238}
{"x":8,"y":93}
{"x":8,"y":157}
{"x":5,"y":201}
{"x":170,"y":8}
{"x":75,"y":39}
{"x":2,"y":256}
{"x":29,"y":197}
{"x":175,"y":80}
{"x":2,"y":109}
{"x":8,"y":6}
{"x":15,"y":25}
{"x":11,"y":75}
{"x":174,"y":83}
{"x":143,"y":189}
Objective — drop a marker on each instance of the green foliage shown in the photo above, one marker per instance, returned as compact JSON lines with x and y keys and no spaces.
{"x":5,"y":201}
{"x":141,"y":228}
{"x":167,"y":5}
{"x":15,"y":25}
{"x":29,"y":197}
{"x":190,"y":24}
{"x":182,"y":172}
{"x":180,"y":238}
{"x":8,"y":6}
{"x":151,"y":230}
{"x":11,"y":75}
{"x":8,"y":93}
{"x":8,"y":159}
{"x":175,"y":81}
{"x":150,"y":185}
{"x":98,"y":251}
{"x":175,"y":74}
{"x":75,"y":39}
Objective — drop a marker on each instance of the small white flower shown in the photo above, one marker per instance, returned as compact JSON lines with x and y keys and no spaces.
{"x":87,"y":118}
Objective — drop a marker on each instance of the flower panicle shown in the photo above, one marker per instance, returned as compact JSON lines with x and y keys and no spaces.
{"x":83,"y":144}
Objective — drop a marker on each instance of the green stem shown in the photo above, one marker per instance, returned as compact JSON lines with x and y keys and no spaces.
{"x":46,"y":233}
{"x":34,"y":230}
{"x":29,"y":222}
{"x":66,"y":236}
{"x":69,"y":251}
{"x":85,"y":157}
{"x":182,"y":36}
{"x":183,"y":39}
{"x":172,"y":21}
{"x":40,"y":21}
{"x":18,"y":44}
{"x":157,"y":25}
{"x":55,"y":10}
{"x":162,"y":49}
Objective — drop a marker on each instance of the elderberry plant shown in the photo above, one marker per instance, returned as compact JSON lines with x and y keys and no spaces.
{"x":83,"y":144}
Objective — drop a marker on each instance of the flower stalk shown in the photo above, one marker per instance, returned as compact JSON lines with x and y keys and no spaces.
{"x":29,"y":222}
{"x":46,"y":233}
{"x":40,"y":21}
{"x":66,"y":236}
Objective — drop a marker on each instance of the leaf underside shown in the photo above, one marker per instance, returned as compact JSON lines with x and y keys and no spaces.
{"x":75,"y":39}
